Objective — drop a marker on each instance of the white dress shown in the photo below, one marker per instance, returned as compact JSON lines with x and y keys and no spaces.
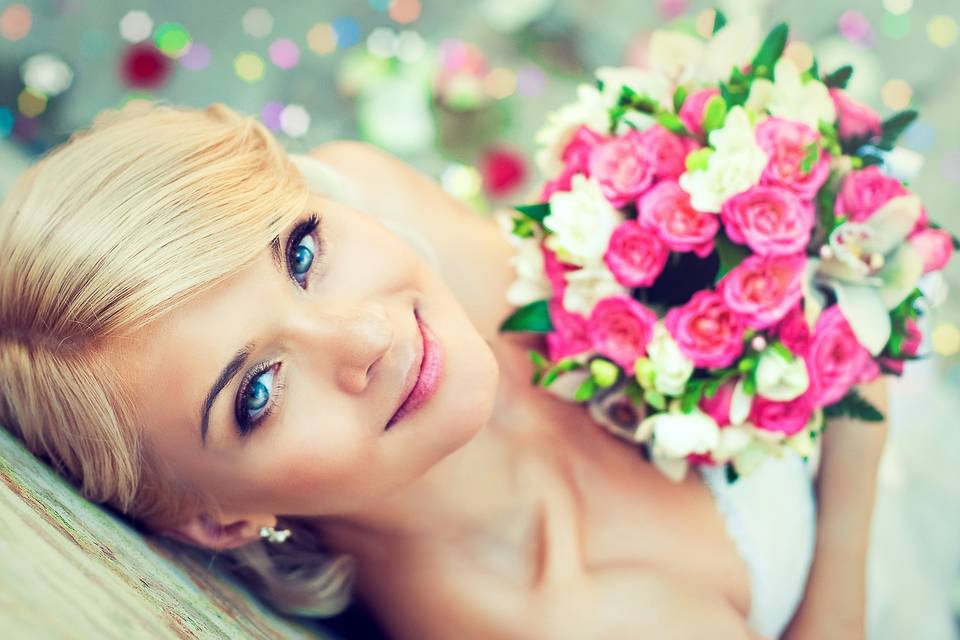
{"x":771,"y":516}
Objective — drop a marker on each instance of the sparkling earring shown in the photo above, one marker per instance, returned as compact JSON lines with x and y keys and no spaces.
{"x":274,"y":535}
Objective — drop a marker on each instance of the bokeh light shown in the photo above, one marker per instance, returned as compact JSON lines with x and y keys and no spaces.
{"x":855,"y":27}
{"x":284,"y":53}
{"x":15,"y":22}
{"x":46,"y":73}
{"x":800,"y":54}
{"x":322,"y":38}
{"x":348,"y":31}
{"x":248,"y":66}
{"x":404,"y":11}
{"x":500,"y":83}
{"x":172,"y":38}
{"x":898,"y":7}
{"x":136,"y":26}
{"x":270,"y":114}
{"x":294,"y":120}
{"x":197,"y":57}
{"x":462,"y":181}
{"x":896,"y":94}
{"x":946,"y":339}
{"x":942,"y":31}
{"x":531,"y":81}
{"x":257,"y":22}
{"x":6,"y":122}
{"x":382,"y":42}
{"x":31,"y":102}
{"x":410,"y":46}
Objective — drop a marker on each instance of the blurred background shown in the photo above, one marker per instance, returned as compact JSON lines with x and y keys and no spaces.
{"x":458,"y":89}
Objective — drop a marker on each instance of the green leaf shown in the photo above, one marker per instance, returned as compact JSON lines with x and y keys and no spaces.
{"x":523,"y":227}
{"x":810,"y":155}
{"x":534,"y":318}
{"x":535,"y":212}
{"x":586,"y":390}
{"x":750,"y":384}
{"x":698,"y":159}
{"x":853,"y":406}
{"x":714,"y":114}
{"x":732,"y":475}
{"x":747,"y":365}
{"x":770,"y":51}
{"x":733,"y":95}
{"x":815,"y":68}
{"x":782,"y":349}
{"x":655,"y":399}
{"x":679,"y":96}
{"x":839,"y":78}
{"x":894,"y":126}
{"x":692,"y":394}
{"x":538,"y":359}
{"x":604,"y":372}
{"x":672,"y":122}
{"x":719,"y":20}
{"x":731,"y":254}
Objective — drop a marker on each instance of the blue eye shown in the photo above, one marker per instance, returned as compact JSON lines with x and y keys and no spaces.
{"x":303,"y":256}
{"x":255,"y":399}
{"x":302,"y":250}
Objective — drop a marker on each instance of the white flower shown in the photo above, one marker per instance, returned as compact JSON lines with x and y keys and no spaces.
{"x":735,"y":165}
{"x":780,"y":379}
{"x":733,"y":440}
{"x":789,"y":97}
{"x":740,"y":404}
{"x":677,"y":434}
{"x":588,"y":286}
{"x":592,"y":109}
{"x":582,"y":221}
{"x":672,"y":369}
{"x":644,"y":82}
{"x":531,"y":283}
{"x":683,"y":58}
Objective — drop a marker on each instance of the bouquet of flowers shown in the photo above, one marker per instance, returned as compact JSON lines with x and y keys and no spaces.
{"x":723,"y":251}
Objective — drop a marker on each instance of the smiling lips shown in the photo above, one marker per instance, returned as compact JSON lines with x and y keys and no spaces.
{"x":424,"y":375}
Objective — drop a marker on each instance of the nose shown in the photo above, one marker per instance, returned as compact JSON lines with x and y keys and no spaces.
{"x":350,"y":336}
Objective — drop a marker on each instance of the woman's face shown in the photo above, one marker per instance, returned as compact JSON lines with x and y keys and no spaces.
{"x":332,"y":346}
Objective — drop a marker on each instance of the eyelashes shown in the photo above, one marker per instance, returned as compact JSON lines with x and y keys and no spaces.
{"x":261,"y":388}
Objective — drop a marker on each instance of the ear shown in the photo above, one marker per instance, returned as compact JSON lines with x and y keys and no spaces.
{"x":202,"y":530}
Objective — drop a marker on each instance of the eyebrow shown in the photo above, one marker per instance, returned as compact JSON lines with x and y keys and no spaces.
{"x":236,"y":363}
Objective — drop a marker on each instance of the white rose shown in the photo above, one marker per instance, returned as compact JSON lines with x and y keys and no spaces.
{"x":671,"y":367}
{"x":735,"y":165}
{"x":789,"y":97}
{"x":582,"y":221}
{"x":531,"y":283}
{"x":592,"y":109}
{"x":740,"y":404}
{"x":675,"y":55}
{"x":780,"y":379}
{"x":588,"y":286}
{"x":677,"y":434}
{"x":733,"y":440}
{"x":733,"y":46}
{"x":642,"y":81}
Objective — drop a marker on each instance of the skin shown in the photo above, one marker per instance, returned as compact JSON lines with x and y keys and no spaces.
{"x":495,"y":509}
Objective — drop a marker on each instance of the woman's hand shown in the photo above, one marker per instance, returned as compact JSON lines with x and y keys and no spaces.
{"x":834,"y":605}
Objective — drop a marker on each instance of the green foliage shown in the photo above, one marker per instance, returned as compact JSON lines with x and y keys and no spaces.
{"x":655,"y":399}
{"x":692,"y":394}
{"x":672,"y":122}
{"x":810,"y":154}
{"x":536,"y":212}
{"x":770,"y":51}
{"x":586,"y":390}
{"x":523,"y":227}
{"x":533,"y":318}
{"x":853,"y":406}
{"x":563,"y":366}
{"x":839,"y":78}
{"x":893,"y":127}
{"x":714,"y":114}
{"x":719,"y":20}
{"x":730,"y":253}
{"x":679,"y":97}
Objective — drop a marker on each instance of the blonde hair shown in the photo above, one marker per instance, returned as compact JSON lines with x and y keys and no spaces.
{"x":104,"y":235}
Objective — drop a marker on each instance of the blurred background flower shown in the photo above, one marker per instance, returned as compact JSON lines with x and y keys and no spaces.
{"x":459,"y":87}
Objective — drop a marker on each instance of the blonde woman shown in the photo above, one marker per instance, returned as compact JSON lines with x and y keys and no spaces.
{"x":294,"y":361}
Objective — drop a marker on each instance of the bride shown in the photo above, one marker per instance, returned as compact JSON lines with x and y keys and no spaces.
{"x":255,"y":353}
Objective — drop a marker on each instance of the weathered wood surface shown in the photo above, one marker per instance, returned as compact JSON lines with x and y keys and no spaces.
{"x":69,"y":569}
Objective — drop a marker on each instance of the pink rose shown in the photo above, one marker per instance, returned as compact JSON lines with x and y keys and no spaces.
{"x":706,"y":330}
{"x":856,"y":120}
{"x":910,"y":347}
{"x":666,"y":209}
{"x":935,"y":246}
{"x":770,"y":220}
{"x":555,"y":271}
{"x":569,"y":335}
{"x":794,"y":332}
{"x":718,"y":407}
{"x":692,"y":111}
{"x":762,"y":290}
{"x":781,"y":417}
{"x":864,"y":191}
{"x":836,"y":361}
{"x":786,"y":143}
{"x":575,"y":157}
{"x":669,"y":150}
{"x":620,"y":328}
{"x":635,"y":256}
{"x":623,"y":167}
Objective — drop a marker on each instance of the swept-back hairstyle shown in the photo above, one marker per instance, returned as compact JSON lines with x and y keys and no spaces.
{"x":110,"y":231}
